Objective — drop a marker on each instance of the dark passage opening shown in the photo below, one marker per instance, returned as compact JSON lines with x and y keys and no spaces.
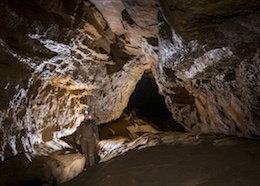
{"x":149,"y":105}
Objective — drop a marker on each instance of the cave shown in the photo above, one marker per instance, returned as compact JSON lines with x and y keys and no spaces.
{"x":173,"y":87}
{"x":149,"y":105}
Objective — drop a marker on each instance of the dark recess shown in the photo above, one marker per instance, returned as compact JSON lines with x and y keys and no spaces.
{"x":150,"y":105}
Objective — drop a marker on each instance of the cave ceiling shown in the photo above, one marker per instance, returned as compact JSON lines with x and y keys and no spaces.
{"x":58,"y":57}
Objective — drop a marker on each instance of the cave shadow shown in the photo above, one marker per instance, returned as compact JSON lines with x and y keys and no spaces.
{"x":150,"y":106}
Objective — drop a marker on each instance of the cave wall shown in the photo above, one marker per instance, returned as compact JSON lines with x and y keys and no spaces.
{"x":58,"y":57}
{"x":208,"y":65}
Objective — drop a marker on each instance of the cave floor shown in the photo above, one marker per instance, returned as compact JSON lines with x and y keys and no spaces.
{"x":222,"y":163}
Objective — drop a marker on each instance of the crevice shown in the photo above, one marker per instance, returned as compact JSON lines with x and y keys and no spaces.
{"x":119,"y":57}
{"x":126,"y":17}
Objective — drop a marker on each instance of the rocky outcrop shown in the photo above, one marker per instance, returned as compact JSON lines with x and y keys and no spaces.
{"x":208,"y":67}
{"x":59,"y":57}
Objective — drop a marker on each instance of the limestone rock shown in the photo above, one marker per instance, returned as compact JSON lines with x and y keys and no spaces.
{"x":65,"y":166}
{"x":111,"y":10}
{"x":59,"y":57}
{"x":208,"y":72}
{"x":56,"y":168}
{"x":63,"y":57}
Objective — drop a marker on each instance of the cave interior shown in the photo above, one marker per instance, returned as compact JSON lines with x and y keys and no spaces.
{"x":172,"y":85}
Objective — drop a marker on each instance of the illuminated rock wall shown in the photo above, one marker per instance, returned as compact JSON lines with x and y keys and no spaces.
{"x":58,"y":57}
{"x":208,"y":67}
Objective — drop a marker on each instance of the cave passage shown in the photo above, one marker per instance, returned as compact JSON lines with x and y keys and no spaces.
{"x":150,"y":106}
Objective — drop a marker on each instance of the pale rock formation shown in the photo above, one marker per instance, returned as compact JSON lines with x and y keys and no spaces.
{"x":65,"y":166}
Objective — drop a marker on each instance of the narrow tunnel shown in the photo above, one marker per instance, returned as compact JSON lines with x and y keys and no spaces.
{"x":150,"y":105}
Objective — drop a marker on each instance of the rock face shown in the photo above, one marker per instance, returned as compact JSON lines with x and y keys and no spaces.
{"x":58,"y":57}
{"x":209,"y":71}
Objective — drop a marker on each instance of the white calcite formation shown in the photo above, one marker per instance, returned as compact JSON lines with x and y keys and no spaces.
{"x":59,"y":57}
